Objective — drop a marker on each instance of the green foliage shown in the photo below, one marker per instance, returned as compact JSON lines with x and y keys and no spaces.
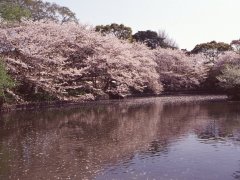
{"x":5,"y":82}
{"x":120,"y":31}
{"x":13,"y":12}
{"x":212,"y":50}
{"x":150,"y":38}
{"x":213,"y":45}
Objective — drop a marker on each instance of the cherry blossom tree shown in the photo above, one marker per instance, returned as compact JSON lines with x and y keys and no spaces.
{"x":227,"y":72}
{"x":71,"y":61}
{"x":178,"y":71}
{"x":236,"y":45}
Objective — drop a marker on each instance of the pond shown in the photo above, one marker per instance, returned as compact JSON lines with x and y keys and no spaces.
{"x":181,"y":137}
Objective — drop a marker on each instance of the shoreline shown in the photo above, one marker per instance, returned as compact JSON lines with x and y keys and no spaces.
{"x":65,"y":104}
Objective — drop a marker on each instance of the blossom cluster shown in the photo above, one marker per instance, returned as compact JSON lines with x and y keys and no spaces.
{"x":178,"y":71}
{"x":72,"y":60}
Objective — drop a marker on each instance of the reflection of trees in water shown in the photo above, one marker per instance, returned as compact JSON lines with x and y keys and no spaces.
{"x":79,"y":141}
{"x":4,"y":157}
{"x":82,"y":141}
{"x":212,"y":131}
{"x":236,"y":175}
{"x":175,"y":121}
{"x":222,"y":121}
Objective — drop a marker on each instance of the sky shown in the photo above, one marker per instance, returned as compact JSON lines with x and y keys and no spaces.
{"x":188,"y":22}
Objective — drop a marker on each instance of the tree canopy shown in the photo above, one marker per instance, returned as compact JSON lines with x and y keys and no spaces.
{"x":150,"y":38}
{"x":119,"y":30}
{"x":212,"y":49}
{"x":70,"y":62}
{"x":14,"y":10}
{"x":179,"y":72}
{"x":236,"y":45}
{"x":227,"y":73}
{"x":213,"y":45}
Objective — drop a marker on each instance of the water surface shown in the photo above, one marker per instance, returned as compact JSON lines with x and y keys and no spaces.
{"x":189,"y":137}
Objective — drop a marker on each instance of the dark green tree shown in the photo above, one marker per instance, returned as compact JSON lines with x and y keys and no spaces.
{"x":119,"y":30}
{"x":150,"y":38}
{"x":213,"y":45}
{"x":211,"y":49}
{"x":13,"y":12}
{"x":39,"y":10}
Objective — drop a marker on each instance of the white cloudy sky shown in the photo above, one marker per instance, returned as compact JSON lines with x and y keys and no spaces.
{"x":189,"y":22}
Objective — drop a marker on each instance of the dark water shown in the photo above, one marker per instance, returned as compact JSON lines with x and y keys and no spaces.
{"x":152,"y":138}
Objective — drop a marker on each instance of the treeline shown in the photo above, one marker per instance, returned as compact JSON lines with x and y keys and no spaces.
{"x":54,"y":58}
{"x":150,"y":38}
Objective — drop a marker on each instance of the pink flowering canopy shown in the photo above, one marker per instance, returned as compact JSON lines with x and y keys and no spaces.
{"x":72,"y":61}
{"x":179,"y":71}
